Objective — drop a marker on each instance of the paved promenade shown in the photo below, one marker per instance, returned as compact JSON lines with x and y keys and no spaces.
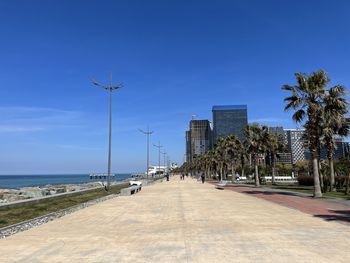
{"x":182,"y":221}
{"x":328,"y":209}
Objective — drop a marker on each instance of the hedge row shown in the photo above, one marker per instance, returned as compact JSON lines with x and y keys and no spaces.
{"x":305,"y":180}
{"x":340,"y":181}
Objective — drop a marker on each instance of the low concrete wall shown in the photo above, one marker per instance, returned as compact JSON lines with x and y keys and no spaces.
{"x":40,"y":199}
{"x":25,"y":225}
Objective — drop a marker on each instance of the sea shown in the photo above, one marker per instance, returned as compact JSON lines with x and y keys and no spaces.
{"x":19,"y":181}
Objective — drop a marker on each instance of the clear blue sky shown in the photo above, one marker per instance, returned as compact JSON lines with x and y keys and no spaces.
{"x":175,"y":58}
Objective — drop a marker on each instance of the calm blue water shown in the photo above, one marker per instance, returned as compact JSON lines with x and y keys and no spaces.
{"x":18,"y":181}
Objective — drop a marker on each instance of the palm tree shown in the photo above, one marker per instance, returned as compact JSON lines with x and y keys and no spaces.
{"x":209,"y":162}
{"x":275,"y":145}
{"x":256,"y":145}
{"x":307,"y":99}
{"x":244,"y":155}
{"x":220,"y":156}
{"x":205,"y":160}
{"x":213,"y":163}
{"x":198,"y":164}
{"x":232,"y":146}
{"x":334,"y":123}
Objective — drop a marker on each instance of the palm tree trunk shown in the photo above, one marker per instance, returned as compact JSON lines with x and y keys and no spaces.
{"x":233,"y":173}
{"x":221,"y":170}
{"x":313,"y":137}
{"x":273,"y":169}
{"x":242,"y":163}
{"x":317,"y":187}
{"x":331,"y":167}
{"x":321,"y":175}
{"x":257,"y":182}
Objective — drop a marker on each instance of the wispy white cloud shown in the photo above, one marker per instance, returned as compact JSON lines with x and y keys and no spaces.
{"x":76,"y":147}
{"x":14,"y":128}
{"x":36,"y":119}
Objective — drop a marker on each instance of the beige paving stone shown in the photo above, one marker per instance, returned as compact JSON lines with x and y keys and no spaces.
{"x":182,"y":221}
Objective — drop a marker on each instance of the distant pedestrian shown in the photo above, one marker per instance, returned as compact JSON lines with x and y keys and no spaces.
{"x":203,"y":179}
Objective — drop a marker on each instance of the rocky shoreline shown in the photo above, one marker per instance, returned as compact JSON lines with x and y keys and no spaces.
{"x":12,"y":195}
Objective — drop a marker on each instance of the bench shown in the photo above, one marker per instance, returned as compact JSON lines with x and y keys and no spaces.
{"x":133,"y":182}
{"x":130,"y":190}
{"x":221,"y":185}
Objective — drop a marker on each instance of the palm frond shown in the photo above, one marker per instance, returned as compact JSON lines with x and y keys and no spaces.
{"x":337,"y":91}
{"x":299,"y":115}
{"x":287,"y":87}
{"x":294,"y":102}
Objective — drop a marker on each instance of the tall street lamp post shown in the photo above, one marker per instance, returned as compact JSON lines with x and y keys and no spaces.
{"x":110,"y":88}
{"x":148,"y":133}
{"x":168,"y":163}
{"x":164,"y":158}
{"x":158,"y":146}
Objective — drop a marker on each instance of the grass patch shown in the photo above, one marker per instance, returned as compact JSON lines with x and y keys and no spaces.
{"x":2,"y":221}
{"x":10,"y":216}
{"x":306,"y":190}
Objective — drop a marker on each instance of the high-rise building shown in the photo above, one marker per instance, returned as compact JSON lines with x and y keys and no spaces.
{"x":228,"y":120}
{"x":341,"y":149}
{"x":277,"y":130}
{"x":198,"y":139}
{"x":188,"y":146}
{"x":299,"y":152}
{"x":283,"y":157}
{"x":296,"y":145}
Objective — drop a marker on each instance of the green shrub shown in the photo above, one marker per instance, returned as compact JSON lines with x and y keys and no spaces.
{"x":340,"y":181}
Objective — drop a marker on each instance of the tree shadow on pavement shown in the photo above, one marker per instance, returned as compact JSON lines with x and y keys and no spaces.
{"x":271,"y":193}
{"x":240,"y":186}
{"x":336,"y":215}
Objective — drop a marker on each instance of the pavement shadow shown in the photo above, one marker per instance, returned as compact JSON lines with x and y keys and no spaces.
{"x":240,"y":186}
{"x":336,"y":215}
{"x":252,"y":192}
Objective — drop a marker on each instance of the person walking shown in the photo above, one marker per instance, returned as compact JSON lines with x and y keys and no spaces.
{"x":203,"y":178}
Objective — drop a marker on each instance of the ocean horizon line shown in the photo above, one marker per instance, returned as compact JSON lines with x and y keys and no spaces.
{"x":39,"y":174}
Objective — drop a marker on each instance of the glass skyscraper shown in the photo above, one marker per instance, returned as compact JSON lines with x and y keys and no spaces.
{"x":198,"y":139}
{"x":229,"y":119}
